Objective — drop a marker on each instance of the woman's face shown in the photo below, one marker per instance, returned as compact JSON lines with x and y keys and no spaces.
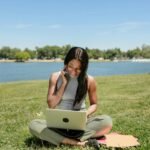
{"x":74,"y":68}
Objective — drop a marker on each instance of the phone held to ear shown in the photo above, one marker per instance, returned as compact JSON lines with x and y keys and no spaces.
{"x":66,"y":75}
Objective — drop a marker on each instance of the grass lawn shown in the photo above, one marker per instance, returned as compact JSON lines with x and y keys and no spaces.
{"x":125,"y":98}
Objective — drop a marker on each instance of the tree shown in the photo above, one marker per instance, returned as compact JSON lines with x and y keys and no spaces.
{"x":95,"y":53}
{"x":40,"y":53}
{"x":5,"y":52}
{"x":31,"y":52}
{"x":112,"y":54}
{"x":22,"y":56}
{"x":146,"y":51}
{"x":135,"y":53}
{"x":13,"y":53}
{"x":65,"y":50}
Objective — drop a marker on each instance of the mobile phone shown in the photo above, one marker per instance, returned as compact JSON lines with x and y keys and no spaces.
{"x":66,"y":75}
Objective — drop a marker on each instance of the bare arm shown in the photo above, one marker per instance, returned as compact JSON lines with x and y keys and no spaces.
{"x":54,"y":98}
{"x":92,"y":95}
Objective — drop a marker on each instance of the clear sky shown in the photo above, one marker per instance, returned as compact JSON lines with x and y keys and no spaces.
{"x":99,"y":24}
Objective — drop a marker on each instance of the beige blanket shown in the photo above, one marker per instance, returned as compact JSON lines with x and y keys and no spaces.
{"x":119,"y":140}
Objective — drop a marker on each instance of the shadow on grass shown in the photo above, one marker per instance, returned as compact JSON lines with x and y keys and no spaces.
{"x":35,"y":143}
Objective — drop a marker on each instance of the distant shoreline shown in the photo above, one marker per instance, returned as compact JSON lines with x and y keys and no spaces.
{"x":60,"y":60}
{"x":47,"y":60}
{"x":33,"y":60}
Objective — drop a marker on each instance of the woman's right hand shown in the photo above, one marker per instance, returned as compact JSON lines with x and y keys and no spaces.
{"x":64,"y":79}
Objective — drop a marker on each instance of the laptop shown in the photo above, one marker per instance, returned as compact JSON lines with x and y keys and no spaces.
{"x":66,"y":119}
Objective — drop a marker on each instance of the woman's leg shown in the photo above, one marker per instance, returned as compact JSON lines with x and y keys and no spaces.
{"x":39,"y":129}
{"x":104,"y":126}
{"x":97,"y":126}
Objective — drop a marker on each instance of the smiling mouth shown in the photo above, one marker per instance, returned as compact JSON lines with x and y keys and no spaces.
{"x":72,"y":76}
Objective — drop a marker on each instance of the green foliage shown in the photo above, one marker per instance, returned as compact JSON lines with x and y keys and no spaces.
{"x":113,"y":54}
{"x":95,"y":53}
{"x":22,"y":56}
{"x":4,"y":52}
{"x":146,"y":51}
{"x":125,"y":98}
{"x":52,"y":52}
{"x":136,"y":53}
{"x":49,"y":52}
{"x":31,"y":53}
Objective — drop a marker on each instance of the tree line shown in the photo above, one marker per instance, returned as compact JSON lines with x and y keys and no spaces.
{"x":53,"y":52}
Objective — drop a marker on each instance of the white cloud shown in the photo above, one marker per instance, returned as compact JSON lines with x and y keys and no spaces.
{"x":130,"y":26}
{"x":125,"y":27}
{"x":23,"y":26}
{"x":26,"y":26}
{"x":54,"y":26}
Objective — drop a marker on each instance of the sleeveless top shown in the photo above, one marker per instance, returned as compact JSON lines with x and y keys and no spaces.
{"x":69,"y":96}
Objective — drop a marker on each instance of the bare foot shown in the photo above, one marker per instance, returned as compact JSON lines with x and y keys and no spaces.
{"x":73,"y":142}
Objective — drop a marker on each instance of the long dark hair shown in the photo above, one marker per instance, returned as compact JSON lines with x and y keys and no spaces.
{"x":81,"y":55}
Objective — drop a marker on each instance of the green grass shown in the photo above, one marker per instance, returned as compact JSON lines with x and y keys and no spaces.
{"x":125,"y":98}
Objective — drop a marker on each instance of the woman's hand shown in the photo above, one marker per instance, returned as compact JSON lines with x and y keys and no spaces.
{"x":64,"y":79}
{"x":92,"y":108}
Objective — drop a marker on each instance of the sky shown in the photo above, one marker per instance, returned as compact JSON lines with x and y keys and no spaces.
{"x":102,"y":24}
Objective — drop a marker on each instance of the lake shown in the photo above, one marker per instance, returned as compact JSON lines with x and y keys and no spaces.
{"x":42,"y":70}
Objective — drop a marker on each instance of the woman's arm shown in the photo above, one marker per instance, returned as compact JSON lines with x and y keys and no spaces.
{"x":54,"y":98}
{"x":92,"y":95}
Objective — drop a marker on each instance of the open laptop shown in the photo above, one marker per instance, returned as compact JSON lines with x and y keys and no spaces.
{"x":66,"y":119}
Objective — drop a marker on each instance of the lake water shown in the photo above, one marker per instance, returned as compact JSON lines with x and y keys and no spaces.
{"x":39,"y":71}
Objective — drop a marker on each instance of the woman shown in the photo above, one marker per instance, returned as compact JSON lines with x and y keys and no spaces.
{"x":67,"y":90}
